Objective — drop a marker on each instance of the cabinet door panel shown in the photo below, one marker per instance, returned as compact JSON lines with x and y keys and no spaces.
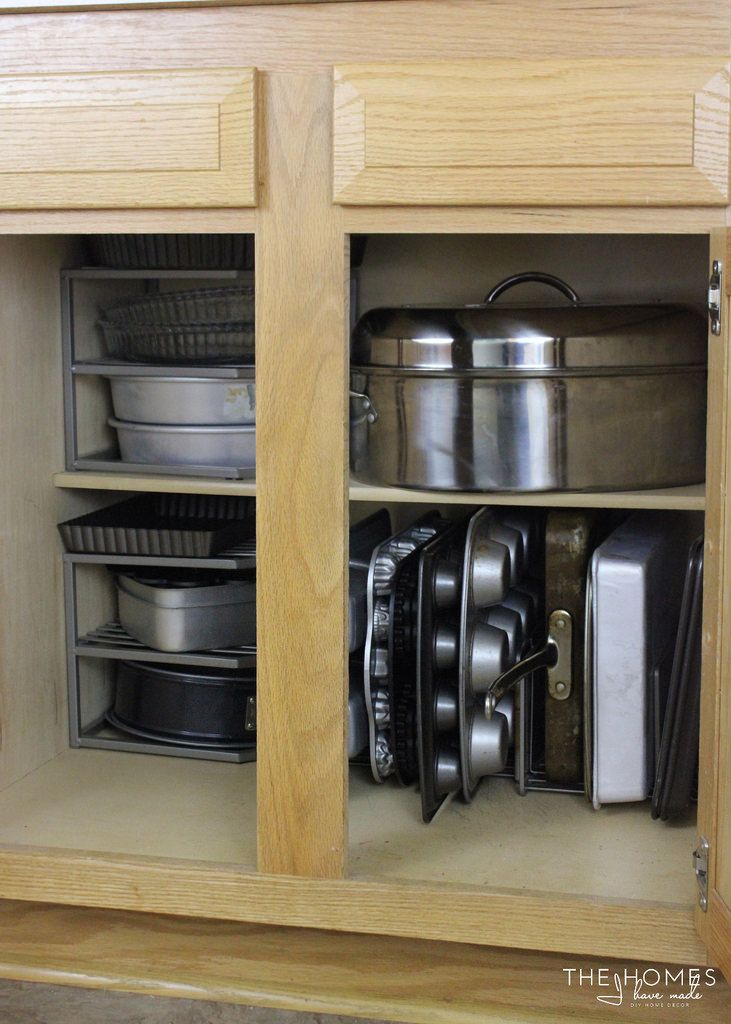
{"x":555,"y":132}
{"x":142,"y":139}
{"x":714,"y":774}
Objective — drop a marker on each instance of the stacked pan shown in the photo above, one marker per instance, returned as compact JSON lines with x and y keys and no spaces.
{"x":175,"y":418}
{"x":452,"y":606}
{"x":562,"y":648}
{"x":498,"y":619}
{"x":179,"y":612}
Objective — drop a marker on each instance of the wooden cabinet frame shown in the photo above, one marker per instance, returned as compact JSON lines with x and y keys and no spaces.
{"x":303,"y":488}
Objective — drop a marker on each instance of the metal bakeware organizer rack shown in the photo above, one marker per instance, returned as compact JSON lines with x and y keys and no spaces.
{"x":109,"y":644}
{"x":75,"y":368}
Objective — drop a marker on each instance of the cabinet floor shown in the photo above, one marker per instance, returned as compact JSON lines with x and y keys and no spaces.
{"x":551,"y":842}
{"x":115,"y":802}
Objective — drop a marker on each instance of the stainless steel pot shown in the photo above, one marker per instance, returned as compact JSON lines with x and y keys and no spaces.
{"x":184,"y":400}
{"x":508,"y":398}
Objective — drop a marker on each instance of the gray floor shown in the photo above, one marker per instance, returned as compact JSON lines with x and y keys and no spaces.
{"x":25,"y":1003}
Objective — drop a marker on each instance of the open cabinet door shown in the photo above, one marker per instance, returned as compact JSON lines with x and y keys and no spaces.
{"x":713,"y":856}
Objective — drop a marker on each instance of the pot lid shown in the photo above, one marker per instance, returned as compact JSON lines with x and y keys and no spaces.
{"x":549,"y":337}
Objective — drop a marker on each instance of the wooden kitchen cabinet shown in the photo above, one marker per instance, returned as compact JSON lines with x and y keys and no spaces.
{"x":510,"y":132}
{"x":169,"y":138}
{"x":293,"y":846}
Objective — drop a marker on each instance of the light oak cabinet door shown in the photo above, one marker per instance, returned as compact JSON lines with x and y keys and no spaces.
{"x":714,"y":783}
{"x":640,"y":131}
{"x":131,"y":139}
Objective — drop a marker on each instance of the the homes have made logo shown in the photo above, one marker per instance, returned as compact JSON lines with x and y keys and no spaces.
{"x":642,"y":986}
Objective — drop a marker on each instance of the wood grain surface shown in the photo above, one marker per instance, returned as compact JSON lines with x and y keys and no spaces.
{"x":33,"y":719}
{"x":715,"y":762}
{"x":302,"y":508}
{"x":144,"y":139}
{"x":714,"y":586}
{"x":20,"y":6}
{"x":320,"y":972}
{"x":458,"y":913}
{"x":636,"y":131}
{"x":309,"y":37}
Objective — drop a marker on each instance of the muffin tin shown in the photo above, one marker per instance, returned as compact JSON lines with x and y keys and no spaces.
{"x":451,"y":609}
{"x":495,"y":621}
{"x":377,"y":664}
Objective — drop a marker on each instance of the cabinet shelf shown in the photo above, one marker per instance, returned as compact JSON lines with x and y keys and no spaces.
{"x":691,"y":498}
{"x":159,"y":484}
{"x":688,"y":499}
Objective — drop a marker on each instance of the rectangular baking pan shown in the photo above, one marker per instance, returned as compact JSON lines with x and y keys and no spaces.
{"x":169,"y":525}
{"x":677,"y":767}
{"x":569,"y":544}
{"x":635,"y":588}
{"x":177,"y":618}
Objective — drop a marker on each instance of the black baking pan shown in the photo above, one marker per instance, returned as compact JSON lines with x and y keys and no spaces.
{"x":677,"y":765}
{"x":173,"y":252}
{"x":171,"y":525}
{"x":179,"y":704}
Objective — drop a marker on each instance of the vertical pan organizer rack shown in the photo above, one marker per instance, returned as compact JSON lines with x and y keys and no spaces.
{"x":75,"y":368}
{"x":93,"y":653}
{"x":111,"y":643}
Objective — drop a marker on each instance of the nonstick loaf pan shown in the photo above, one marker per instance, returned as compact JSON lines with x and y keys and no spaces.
{"x":195,"y":615}
{"x":170,"y":525}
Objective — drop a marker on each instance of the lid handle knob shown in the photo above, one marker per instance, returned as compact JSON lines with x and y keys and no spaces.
{"x":536,"y":276}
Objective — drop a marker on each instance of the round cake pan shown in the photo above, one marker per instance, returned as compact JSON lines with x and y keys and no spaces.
{"x":184,"y":400}
{"x":179,"y":703}
{"x":164,"y":445}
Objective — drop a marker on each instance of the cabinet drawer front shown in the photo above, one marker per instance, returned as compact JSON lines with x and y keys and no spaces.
{"x":640,"y":131}
{"x":137,"y":139}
